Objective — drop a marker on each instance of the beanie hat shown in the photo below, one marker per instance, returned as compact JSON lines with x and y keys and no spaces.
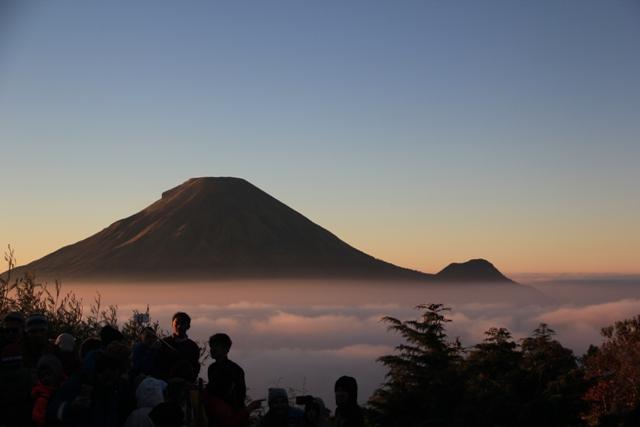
{"x":13,"y":316}
{"x":36,"y":321}
{"x":277,"y":393}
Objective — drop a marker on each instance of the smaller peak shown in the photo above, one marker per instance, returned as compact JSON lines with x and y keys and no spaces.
{"x":477,"y":269}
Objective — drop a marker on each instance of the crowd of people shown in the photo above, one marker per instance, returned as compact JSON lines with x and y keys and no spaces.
{"x":106,"y":382}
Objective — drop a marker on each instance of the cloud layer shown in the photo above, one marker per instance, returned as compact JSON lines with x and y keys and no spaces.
{"x":306,"y":338}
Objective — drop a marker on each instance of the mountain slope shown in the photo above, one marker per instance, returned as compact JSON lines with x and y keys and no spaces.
{"x":215,"y":228}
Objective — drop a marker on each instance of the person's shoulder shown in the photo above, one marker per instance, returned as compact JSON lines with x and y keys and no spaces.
{"x":191,"y":343}
{"x":235,"y":365}
{"x":296,"y":413}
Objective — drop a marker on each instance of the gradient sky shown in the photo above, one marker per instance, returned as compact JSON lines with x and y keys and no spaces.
{"x":422,"y":132}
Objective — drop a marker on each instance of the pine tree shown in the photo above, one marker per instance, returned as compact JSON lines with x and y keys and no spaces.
{"x":492,"y":372}
{"x":423,"y":380}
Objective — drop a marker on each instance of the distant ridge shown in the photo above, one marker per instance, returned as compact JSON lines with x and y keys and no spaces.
{"x":227,"y":228}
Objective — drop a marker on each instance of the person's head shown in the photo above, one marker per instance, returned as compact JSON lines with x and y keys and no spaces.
{"x":180,"y":324}
{"x":177,"y":391}
{"x":346,"y":391}
{"x":108,"y":370}
{"x":36,"y":328}
{"x":49,"y":370}
{"x":148,"y":336}
{"x":13,"y":326}
{"x":88,"y":345}
{"x":219,"y":344}
{"x":121,"y":352}
{"x":278,"y":401}
{"x":150,"y":392}
{"x":109,"y":334}
{"x":65,"y":343}
{"x":315,"y":411}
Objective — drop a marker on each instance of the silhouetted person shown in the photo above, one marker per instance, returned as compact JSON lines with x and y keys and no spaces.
{"x":220,"y":400}
{"x":182,"y":394}
{"x":36,"y":341}
{"x":219,"y":345}
{"x":50,"y":377}
{"x":12,"y":330}
{"x":315,"y":412}
{"x":167,"y":414}
{"x":178,"y":348}
{"x":15,"y":387}
{"x":92,"y":347}
{"x":109,"y":334}
{"x":149,"y":394}
{"x":100,"y":400}
{"x":280,"y":413}
{"x":66,"y":351}
{"x":348,"y":413}
{"x":144,"y":353}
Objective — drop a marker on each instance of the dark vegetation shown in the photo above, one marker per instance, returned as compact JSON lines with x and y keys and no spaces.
{"x":435,"y":381}
{"x":432,"y":380}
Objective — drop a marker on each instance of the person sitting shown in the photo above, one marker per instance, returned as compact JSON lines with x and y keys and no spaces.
{"x":219,"y":345}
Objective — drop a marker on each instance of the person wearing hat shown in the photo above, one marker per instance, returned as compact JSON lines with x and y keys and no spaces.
{"x":36,"y":342}
{"x":149,"y":394}
{"x":65,"y":350}
{"x":348,"y":413}
{"x":280,"y":413}
{"x":12,"y":329}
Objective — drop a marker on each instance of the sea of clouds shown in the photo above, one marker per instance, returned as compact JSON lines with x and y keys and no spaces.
{"x":304,"y":336}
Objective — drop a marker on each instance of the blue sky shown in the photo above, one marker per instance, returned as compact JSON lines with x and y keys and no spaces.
{"x":423,"y":132}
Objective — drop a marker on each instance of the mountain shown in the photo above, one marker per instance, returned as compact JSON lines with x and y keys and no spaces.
{"x":226,"y":228}
{"x":475,"y":270}
{"x":211,"y":228}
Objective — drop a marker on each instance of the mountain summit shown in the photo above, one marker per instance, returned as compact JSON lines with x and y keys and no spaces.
{"x":215,"y":228}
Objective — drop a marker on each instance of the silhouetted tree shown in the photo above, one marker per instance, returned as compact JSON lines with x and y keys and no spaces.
{"x":423,"y":381}
{"x":614,"y":369}
{"x":492,"y":373}
{"x":552,"y":383}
